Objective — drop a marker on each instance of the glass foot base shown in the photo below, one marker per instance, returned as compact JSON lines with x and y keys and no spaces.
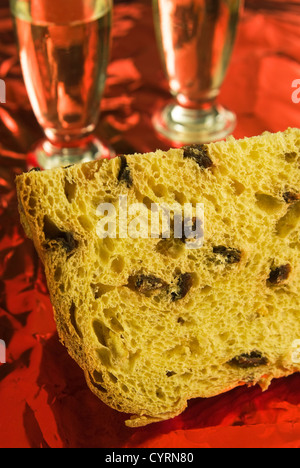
{"x":45,"y":155}
{"x":181,"y":125}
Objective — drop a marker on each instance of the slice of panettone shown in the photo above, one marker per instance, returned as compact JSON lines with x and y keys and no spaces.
{"x":156,"y":320}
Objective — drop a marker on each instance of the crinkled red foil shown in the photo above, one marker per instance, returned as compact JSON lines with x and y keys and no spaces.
{"x":44,"y":400}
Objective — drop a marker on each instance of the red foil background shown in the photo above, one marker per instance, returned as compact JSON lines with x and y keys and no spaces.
{"x":44,"y":400}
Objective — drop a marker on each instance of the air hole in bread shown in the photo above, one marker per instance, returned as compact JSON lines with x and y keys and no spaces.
{"x":125,"y":388}
{"x":116,"y":325}
{"x":148,"y":202}
{"x":268,"y":204}
{"x":206,"y":290}
{"x":50,"y":229}
{"x":101,"y":332}
{"x":86,"y":223}
{"x":224,"y":336}
{"x":160,"y":190}
{"x":194,"y":346}
{"x":109,"y":243}
{"x":58,"y":273}
{"x":178,"y":350}
{"x":62,"y":215}
{"x":160,"y":394}
{"x":239,"y":188}
{"x":100,"y":289}
{"x":73,"y":310}
{"x":81,"y":272}
{"x":98,"y":376}
{"x":53,"y":233}
{"x":104,"y":255}
{"x":133,"y":358}
{"x":70,"y":190}
{"x":173,"y":248}
{"x":32,"y":202}
{"x":291,"y":157}
{"x":112,"y":377}
{"x":290,"y":222}
{"x":186,"y":377}
{"x":97,"y":385}
{"x":104,"y":355}
{"x":180,"y":197}
{"x":118,"y":264}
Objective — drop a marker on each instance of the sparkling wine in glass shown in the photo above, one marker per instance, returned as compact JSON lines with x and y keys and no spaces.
{"x":64,"y":51}
{"x":196,"y":39}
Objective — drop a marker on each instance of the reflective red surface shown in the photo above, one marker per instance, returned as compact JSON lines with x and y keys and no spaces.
{"x":44,"y":400}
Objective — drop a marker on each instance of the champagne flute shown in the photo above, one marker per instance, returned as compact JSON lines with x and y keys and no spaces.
{"x":196,"y":39}
{"x":64,"y":51}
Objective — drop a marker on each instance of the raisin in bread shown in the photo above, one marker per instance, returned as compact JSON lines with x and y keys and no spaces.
{"x":152,"y":322}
